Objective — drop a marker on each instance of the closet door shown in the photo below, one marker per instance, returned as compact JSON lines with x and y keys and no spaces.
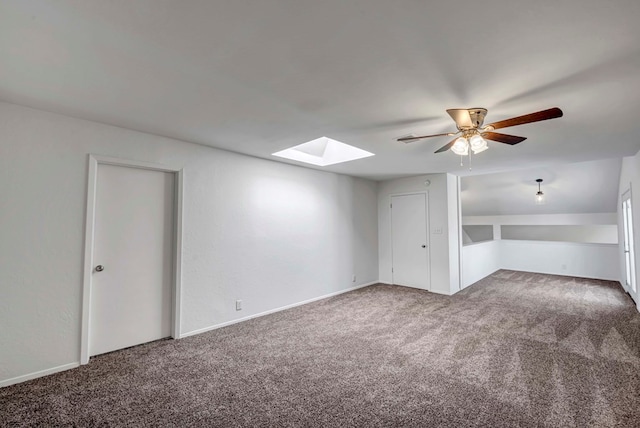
{"x":410,"y":249}
{"x":132,"y":277}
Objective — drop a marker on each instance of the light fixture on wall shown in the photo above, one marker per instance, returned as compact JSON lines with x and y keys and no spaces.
{"x":540,"y":195}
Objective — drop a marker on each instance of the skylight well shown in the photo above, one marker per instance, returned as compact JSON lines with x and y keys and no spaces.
{"x":323,"y":151}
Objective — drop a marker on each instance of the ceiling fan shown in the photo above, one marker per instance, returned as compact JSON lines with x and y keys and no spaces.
{"x":474,"y":134}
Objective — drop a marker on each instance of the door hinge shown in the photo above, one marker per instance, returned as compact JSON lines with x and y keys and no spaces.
{"x":391,"y":270}
{"x":390,"y":205}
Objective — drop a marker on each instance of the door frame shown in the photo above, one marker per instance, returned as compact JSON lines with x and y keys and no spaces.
{"x":426,"y":220}
{"x":176,"y":283}
{"x":630,"y":241}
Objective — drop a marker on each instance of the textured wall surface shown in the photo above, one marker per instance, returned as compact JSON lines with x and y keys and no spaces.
{"x":268,"y":233}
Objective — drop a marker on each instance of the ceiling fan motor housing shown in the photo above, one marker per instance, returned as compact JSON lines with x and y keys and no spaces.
{"x":477,"y":117}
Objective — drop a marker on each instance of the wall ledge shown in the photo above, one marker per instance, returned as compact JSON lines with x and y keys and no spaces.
{"x":583,"y":244}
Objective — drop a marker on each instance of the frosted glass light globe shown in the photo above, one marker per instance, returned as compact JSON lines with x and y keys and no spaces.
{"x":478,"y":144}
{"x":460,"y":147}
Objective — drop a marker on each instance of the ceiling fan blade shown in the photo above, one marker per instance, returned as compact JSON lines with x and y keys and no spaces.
{"x":446,"y":146}
{"x":503,"y":138}
{"x":461,"y":117}
{"x":412,"y":139}
{"x":551,"y":113}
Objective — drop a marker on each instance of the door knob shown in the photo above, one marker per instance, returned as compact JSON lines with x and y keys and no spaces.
{"x":99,"y":268}
{"x":424,"y":246}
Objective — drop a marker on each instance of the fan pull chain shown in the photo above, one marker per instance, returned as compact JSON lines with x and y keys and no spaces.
{"x":469,"y":160}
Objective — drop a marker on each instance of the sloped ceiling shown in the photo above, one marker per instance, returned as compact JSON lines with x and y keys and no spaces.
{"x":576,"y":188}
{"x":258,"y":76}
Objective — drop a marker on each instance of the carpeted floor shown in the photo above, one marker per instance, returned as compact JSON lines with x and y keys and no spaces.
{"x":514,"y":350}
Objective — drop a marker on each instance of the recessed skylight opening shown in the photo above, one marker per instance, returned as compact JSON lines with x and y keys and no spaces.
{"x":323,"y":151}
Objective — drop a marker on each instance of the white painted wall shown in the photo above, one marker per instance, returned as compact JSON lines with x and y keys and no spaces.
{"x":268,"y":233}
{"x":443,"y":247}
{"x":586,"y":260}
{"x":598,"y":261}
{"x":479,"y":260}
{"x":630,"y":179}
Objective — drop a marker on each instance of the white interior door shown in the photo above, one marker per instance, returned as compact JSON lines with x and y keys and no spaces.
{"x":629,"y":252}
{"x":410,"y":250}
{"x":132,"y":278}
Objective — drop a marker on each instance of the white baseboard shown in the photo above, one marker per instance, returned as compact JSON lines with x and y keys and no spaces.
{"x":563,"y":273}
{"x":271,"y":311}
{"x":442,"y":293}
{"x":38,"y":374}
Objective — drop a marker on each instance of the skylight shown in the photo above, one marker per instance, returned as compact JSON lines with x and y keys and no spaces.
{"x":323,"y":151}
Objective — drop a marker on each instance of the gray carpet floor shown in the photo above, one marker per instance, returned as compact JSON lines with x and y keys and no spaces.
{"x":513,"y":350}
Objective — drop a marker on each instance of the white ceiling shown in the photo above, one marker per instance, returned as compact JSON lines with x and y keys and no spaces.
{"x":584,"y":187}
{"x":258,"y":76}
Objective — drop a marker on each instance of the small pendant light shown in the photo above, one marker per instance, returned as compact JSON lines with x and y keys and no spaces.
{"x":539,"y":196}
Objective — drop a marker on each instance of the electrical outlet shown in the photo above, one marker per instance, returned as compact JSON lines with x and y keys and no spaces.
{"x":563,"y":267}
{"x":353,"y":278}
{"x":238,"y":305}
{"x":437,"y":230}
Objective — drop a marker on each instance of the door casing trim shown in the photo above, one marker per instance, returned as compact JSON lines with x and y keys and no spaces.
{"x":94,"y":162}
{"x":628,"y":194}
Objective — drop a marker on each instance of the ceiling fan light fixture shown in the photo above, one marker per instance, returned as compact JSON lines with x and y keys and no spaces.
{"x":478,"y":144}
{"x":460,"y":147}
{"x":470,"y":123}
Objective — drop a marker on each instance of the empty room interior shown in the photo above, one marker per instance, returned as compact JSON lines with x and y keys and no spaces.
{"x":332,"y":213}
